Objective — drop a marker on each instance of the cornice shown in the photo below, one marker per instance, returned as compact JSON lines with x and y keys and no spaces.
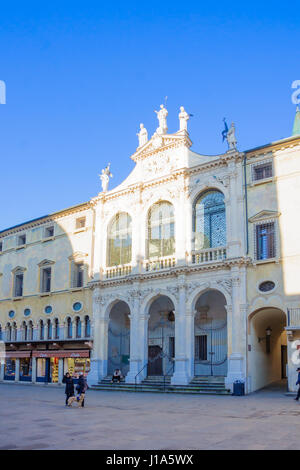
{"x":45,"y":220}
{"x":171,"y":273}
{"x":273,"y":147}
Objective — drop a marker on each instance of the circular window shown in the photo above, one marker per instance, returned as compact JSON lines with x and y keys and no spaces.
{"x":77,"y":306}
{"x":48,"y":309}
{"x":266,"y":286}
{"x":11,"y":314}
{"x":27,"y":312}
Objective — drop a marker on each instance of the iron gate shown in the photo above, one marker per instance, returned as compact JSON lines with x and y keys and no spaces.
{"x":211,"y":350}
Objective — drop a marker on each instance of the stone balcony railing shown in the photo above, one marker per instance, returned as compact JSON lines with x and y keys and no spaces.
{"x":293,"y":315}
{"x":118,"y":271}
{"x":156,"y":264}
{"x":209,"y":255}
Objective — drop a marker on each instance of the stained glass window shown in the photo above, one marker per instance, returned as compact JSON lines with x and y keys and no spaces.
{"x":209,"y":220}
{"x":119,"y":240}
{"x":161,"y":230}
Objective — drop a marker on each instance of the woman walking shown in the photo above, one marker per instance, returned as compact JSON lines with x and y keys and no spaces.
{"x":69,"y":390}
{"x":81,"y":389}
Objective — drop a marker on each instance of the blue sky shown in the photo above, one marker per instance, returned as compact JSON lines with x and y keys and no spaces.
{"x":81,"y":76}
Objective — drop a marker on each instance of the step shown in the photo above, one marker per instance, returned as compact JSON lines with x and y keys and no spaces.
{"x":155,"y":390}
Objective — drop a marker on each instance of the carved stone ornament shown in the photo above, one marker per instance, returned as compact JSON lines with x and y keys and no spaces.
{"x":226,"y":284}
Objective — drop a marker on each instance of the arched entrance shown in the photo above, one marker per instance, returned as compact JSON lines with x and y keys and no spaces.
{"x":267,"y":347}
{"x":118,"y":338}
{"x":210,"y":327}
{"x":161,"y":337}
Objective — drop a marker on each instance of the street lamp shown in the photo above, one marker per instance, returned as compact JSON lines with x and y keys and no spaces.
{"x":267,"y":338}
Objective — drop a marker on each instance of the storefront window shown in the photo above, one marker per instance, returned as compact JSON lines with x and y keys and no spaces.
{"x":54,"y":369}
{"x":41,"y":370}
{"x":25,"y":369}
{"x":10,"y":369}
{"x":77,"y":366}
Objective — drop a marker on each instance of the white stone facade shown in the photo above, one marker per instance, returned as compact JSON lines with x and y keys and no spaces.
{"x":179,"y":266}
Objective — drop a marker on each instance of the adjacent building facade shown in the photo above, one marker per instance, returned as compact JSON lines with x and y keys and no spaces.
{"x":188,"y":268}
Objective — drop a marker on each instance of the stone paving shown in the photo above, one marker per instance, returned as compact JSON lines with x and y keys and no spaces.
{"x":34,"y":417}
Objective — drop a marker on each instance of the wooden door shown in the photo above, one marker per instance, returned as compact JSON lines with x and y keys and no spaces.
{"x":155,"y":360}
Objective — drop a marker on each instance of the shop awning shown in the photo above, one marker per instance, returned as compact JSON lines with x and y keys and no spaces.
{"x":61,"y":353}
{"x":17,"y":354}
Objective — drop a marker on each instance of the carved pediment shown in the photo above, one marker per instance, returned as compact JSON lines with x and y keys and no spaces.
{"x":78,"y":256}
{"x":159,"y":143}
{"x":18,"y":268}
{"x":45,"y":262}
{"x":263,"y":215}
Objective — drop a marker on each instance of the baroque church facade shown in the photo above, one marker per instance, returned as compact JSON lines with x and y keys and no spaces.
{"x":187,"y":269}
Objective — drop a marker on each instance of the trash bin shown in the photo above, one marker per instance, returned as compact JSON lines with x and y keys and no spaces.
{"x":238,"y":388}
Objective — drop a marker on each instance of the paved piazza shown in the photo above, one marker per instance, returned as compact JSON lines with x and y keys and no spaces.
{"x":34,"y":417}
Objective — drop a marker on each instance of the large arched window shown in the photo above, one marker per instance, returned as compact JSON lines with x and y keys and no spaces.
{"x":209,"y":220}
{"x":119,"y":240}
{"x":161,"y":230}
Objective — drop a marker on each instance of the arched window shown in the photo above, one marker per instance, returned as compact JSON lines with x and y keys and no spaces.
{"x":56,"y":328}
{"x":30,"y":331}
{"x":14,"y":332}
{"x":161,"y":230}
{"x":8,"y":332}
{"x":78,"y":327}
{"x":119,"y":240}
{"x":209,"y":220}
{"x":69,"y":328}
{"x":87,"y":327}
{"x":49,"y":329}
{"x":25,"y":331}
{"x":42,"y":330}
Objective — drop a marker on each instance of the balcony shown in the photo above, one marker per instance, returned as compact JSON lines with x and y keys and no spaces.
{"x":118,"y":271}
{"x":209,"y":255}
{"x":157,"y":264}
{"x":293,"y":318}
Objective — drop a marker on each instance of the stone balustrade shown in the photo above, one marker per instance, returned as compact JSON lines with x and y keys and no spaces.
{"x":209,"y":255}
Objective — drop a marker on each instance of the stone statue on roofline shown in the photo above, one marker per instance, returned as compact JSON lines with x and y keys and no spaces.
{"x":162,"y":120}
{"x":142,"y":135}
{"x":104,"y":177}
{"x":183,"y":119}
{"x":231,"y":139}
{"x":229,"y":135}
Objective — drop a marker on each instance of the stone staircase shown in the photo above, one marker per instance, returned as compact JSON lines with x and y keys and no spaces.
{"x":157,"y":384}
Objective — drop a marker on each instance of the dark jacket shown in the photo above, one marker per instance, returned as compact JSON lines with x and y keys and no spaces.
{"x":69,"y":390}
{"x":82,"y":385}
{"x":298,"y":381}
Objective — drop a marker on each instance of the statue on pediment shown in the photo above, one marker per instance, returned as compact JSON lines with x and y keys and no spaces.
{"x":104,"y":177}
{"x":231,"y":139}
{"x":142,"y":135}
{"x":183,"y":119}
{"x":162,"y":119}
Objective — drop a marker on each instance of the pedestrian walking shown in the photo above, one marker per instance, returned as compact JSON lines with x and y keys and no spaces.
{"x":81,"y":389}
{"x":69,"y":390}
{"x":298,"y":383}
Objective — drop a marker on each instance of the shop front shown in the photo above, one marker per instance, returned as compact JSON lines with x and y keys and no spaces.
{"x":18,"y":366}
{"x":52,"y":365}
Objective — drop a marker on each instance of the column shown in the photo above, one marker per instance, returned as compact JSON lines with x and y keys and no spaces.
{"x":60,"y":370}
{"x":33,"y":370}
{"x":180,"y":376}
{"x":190,"y":343}
{"x":180,"y":226}
{"x":2,"y":365}
{"x":99,"y":353}
{"x":234,"y":226}
{"x":17,"y":374}
{"x":143,"y":346}
{"x":135,"y":357}
{"x":236,"y":330}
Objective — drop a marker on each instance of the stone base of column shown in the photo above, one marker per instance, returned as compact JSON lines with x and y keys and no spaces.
{"x":97,"y":371}
{"x":180,"y":376}
{"x":235,"y":370}
{"x":135,"y":368}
